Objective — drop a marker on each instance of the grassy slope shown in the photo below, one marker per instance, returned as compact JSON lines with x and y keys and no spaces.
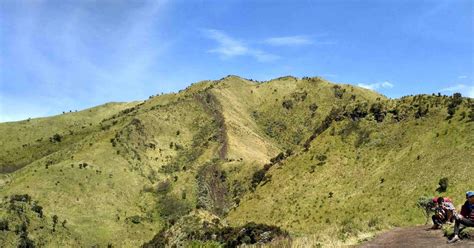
{"x":99,"y":200}
{"x":410,"y":156}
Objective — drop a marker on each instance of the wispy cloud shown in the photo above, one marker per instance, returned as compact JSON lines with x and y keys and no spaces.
{"x":376,"y":86}
{"x":462,"y":77}
{"x":229,"y":47}
{"x":466,"y":90}
{"x":296,"y":40}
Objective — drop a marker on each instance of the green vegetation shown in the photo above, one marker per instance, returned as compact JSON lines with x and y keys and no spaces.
{"x":317,"y":161}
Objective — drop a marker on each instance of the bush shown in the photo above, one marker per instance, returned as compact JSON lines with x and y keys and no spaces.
{"x":250,"y":233}
{"x":348,"y":228}
{"x":4,"y":225}
{"x":338,"y":91}
{"x":258,"y":177}
{"x":171,"y":208}
{"x":278,"y":158}
{"x":56,"y":138}
{"x":38,"y":209}
{"x":471,"y":112}
{"x":55,"y":222}
{"x":377,"y":111}
{"x":134,"y":219}
{"x":288,"y":104}
{"x":443,"y":185}
{"x":426,"y":205}
{"x":20,"y":198}
{"x":163,"y":187}
{"x":456,"y":100}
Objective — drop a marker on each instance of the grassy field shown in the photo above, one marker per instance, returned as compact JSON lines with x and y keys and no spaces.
{"x":330,"y":164}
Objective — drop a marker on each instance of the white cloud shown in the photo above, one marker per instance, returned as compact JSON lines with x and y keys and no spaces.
{"x":376,"y":86}
{"x":462,"y":77}
{"x":229,"y":47}
{"x":296,"y":40}
{"x":466,"y":90}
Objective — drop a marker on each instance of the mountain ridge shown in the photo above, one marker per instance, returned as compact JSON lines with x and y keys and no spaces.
{"x":280,"y":152}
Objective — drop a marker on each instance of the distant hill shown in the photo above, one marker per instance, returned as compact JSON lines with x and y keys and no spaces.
{"x":304,"y":156}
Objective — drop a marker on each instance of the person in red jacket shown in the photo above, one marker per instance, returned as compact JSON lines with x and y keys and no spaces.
{"x":466,"y":218}
{"x":444,"y":210}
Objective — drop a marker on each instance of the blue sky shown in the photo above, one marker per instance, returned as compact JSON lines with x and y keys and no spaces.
{"x":65,"y":55}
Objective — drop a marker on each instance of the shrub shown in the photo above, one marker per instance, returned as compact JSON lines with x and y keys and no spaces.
{"x":25,"y":242}
{"x":20,"y":198}
{"x":4,"y":225}
{"x":288,"y":104}
{"x":421,"y":111}
{"x":377,"y":111}
{"x":134,"y":219}
{"x":56,"y":138}
{"x":470,"y":115}
{"x":171,"y":208}
{"x":426,"y":205}
{"x":338,"y":91}
{"x":456,"y":100}
{"x":258,"y":177}
{"x":163,"y":187}
{"x":443,"y":185}
{"x":38,"y":209}
{"x":348,"y":228}
{"x":313,"y":107}
{"x":55,"y":222}
{"x":278,"y":158}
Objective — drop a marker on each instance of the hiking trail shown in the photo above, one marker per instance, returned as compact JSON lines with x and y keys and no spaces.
{"x":419,"y":236}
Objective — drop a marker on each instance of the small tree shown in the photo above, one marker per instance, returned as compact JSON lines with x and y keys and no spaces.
{"x":4,"y":225}
{"x":55,"y":222}
{"x":443,"y":185}
{"x":426,"y":205}
{"x":288,"y":104}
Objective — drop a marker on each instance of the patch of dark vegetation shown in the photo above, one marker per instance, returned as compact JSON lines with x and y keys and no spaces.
{"x":24,"y":241}
{"x":213,"y":193}
{"x":275,"y":128}
{"x":313,"y":107}
{"x":378,"y":111}
{"x":37,"y":209}
{"x":443,"y":185}
{"x":299,"y":96}
{"x":135,"y":219}
{"x":287,"y":104}
{"x":426,"y":205}
{"x":250,"y":233}
{"x":338,"y":91}
{"x":334,"y":115}
{"x":4,"y":225}
{"x":471,"y":112}
{"x":187,"y":156}
{"x":260,"y":177}
{"x":455,"y":101}
{"x":56,"y":138}
{"x":214,"y":108}
{"x":20,"y":198}
{"x":421,"y":111}
{"x":357,"y":112}
{"x":171,"y":208}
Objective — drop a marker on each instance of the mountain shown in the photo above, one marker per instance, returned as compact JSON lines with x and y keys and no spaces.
{"x":309,"y":158}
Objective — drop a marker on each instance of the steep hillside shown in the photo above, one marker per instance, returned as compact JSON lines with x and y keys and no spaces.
{"x":304,"y":155}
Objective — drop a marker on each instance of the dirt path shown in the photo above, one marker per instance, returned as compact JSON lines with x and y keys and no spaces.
{"x":420,"y":236}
